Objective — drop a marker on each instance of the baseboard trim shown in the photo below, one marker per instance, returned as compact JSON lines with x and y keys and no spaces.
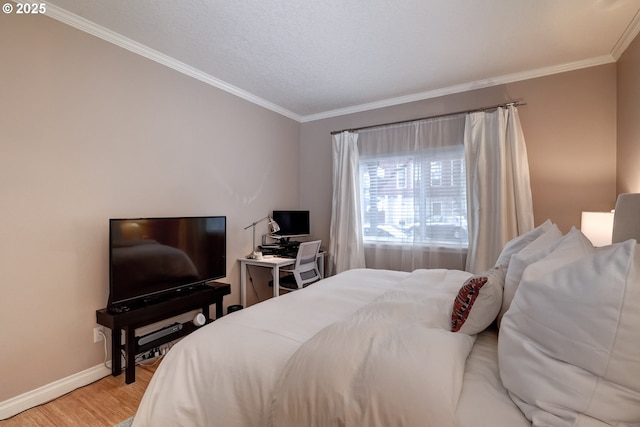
{"x":48,"y":392}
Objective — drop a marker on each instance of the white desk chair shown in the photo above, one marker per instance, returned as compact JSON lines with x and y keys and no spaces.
{"x":305,"y":270}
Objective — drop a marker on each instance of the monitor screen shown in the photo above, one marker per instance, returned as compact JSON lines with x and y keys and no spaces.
{"x":292,"y":223}
{"x":151,"y":256}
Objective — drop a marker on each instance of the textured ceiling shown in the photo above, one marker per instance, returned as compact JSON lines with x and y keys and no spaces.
{"x":312,"y":59}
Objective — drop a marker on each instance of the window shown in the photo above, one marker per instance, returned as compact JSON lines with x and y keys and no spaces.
{"x":418,"y":197}
{"x":436,"y":173}
{"x":401,"y":176}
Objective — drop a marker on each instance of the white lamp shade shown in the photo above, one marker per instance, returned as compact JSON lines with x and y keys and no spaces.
{"x":598,"y":227}
{"x":275,"y":227}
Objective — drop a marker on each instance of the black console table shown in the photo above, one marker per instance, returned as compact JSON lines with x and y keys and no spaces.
{"x":138,"y":316}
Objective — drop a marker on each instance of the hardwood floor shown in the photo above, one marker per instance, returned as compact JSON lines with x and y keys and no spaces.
{"x":104,"y":403}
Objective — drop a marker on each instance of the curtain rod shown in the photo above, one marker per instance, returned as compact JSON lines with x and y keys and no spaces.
{"x":508,"y":104}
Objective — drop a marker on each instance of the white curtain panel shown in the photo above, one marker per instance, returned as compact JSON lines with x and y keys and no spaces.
{"x":425,"y":145}
{"x":499,"y":203}
{"x":346,"y":248}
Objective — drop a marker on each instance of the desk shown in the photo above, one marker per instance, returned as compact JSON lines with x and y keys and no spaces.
{"x":274,"y":263}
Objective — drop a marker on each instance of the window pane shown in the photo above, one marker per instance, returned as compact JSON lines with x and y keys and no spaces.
{"x":415,"y":198}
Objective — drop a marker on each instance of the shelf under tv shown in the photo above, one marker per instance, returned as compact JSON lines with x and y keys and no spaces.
{"x":142,"y":315}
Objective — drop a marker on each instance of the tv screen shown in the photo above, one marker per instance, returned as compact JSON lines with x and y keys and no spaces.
{"x":152,"y":256}
{"x":292,"y":223}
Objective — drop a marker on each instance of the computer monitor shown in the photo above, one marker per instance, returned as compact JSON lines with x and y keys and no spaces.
{"x":292,"y":223}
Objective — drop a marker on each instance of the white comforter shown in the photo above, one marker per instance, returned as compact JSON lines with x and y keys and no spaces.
{"x":394,"y":362}
{"x":366,"y":347}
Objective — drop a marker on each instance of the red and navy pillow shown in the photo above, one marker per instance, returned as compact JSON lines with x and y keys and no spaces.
{"x":478,"y":302}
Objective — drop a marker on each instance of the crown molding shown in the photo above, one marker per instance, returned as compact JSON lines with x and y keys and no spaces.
{"x":627,"y":37}
{"x":465,"y":87}
{"x":92,"y":28}
{"x":89,"y":27}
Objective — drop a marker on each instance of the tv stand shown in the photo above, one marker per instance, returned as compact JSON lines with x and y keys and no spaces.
{"x":135,"y":317}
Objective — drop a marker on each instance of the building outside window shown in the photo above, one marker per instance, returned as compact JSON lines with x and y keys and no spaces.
{"x":417,"y":197}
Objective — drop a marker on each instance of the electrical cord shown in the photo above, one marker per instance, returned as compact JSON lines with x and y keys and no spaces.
{"x":105,"y":361}
{"x":142,"y":361}
{"x":138,"y":360}
{"x":155,"y":361}
{"x":104,"y":340}
{"x":253,"y":285}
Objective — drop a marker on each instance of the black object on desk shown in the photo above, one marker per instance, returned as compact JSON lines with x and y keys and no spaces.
{"x":137,"y":316}
{"x":283,"y":249}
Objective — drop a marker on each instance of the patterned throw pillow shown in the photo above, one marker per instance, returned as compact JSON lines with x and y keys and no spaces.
{"x":478,"y":302}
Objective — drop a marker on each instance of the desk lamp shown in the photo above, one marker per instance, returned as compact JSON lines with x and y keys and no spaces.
{"x":274,"y":228}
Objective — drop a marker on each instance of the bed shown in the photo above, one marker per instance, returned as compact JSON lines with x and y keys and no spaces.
{"x":550,"y":336}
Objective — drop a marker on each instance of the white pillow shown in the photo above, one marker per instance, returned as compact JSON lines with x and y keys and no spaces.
{"x":516,"y":244}
{"x":569,"y":348}
{"x":531,"y":253}
{"x":478,"y":302}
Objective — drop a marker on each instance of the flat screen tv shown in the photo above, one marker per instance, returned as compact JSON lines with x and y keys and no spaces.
{"x":152,"y":257}
{"x":292,"y":223}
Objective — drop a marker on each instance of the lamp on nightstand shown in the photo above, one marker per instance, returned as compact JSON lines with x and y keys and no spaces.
{"x":273,"y":226}
{"x":598,"y":227}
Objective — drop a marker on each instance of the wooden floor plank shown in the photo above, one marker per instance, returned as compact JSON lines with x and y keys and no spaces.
{"x":104,"y":403}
